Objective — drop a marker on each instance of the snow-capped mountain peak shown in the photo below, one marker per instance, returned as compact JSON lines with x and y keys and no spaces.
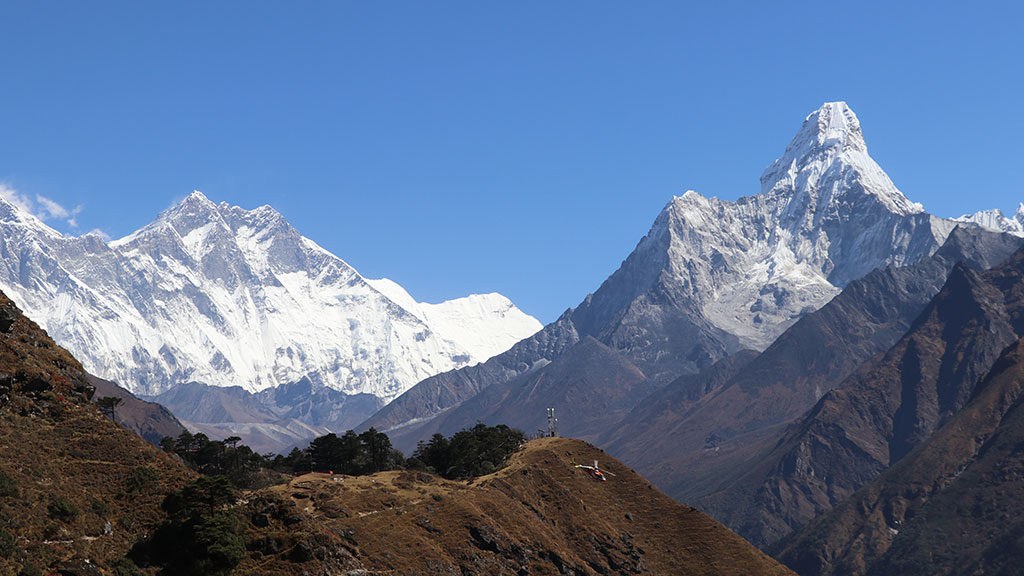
{"x":712,"y":277}
{"x":832,"y":128}
{"x":195,"y":210}
{"x":834,"y":125}
{"x":226,"y":296}
{"x":11,"y":213}
{"x":828,"y":156}
{"x":826,"y":215}
{"x":492,"y":319}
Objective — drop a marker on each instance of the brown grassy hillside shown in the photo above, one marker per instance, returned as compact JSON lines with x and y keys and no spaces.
{"x":540,"y":515}
{"x":149,"y":420}
{"x":75,"y":488}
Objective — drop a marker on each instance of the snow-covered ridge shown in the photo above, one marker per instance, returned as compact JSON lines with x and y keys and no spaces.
{"x":226,"y":296}
{"x":996,"y":220}
{"x":483,"y":323}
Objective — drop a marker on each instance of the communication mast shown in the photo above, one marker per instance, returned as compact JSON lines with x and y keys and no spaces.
{"x":552,"y":423}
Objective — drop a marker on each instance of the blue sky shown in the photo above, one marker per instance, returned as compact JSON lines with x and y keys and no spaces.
{"x":517,"y":147}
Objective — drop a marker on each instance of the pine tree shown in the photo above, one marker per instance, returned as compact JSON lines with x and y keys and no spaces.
{"x":109,"y":405}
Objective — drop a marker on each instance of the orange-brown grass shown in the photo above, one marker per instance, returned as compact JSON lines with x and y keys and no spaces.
{"x":76,"y":485}
{"x":539,"y":515}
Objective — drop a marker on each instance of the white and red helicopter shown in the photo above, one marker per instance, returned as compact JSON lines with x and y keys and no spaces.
{"x":594,"y":470}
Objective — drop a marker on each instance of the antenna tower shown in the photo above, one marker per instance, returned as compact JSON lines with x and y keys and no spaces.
{"x":552,"y":423}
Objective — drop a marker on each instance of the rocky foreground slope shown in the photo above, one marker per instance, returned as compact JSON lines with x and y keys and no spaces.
{"x":540,"y":515}
{"x":76,"y":489}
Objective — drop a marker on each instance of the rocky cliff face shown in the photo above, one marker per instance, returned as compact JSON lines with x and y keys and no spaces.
{"x":950,"y":506}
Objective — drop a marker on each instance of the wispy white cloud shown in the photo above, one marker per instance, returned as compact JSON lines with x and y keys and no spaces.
{"x":14,"y":197}
{"x":42,"y":207}
{"x":47,"y":209}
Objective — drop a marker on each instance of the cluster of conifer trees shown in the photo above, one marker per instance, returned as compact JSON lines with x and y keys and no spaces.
{"x":475,"y":451}
{"x":472,"y":452}
{"x":201,"y":536}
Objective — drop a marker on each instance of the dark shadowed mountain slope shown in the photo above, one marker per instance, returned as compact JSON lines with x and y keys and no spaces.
{"x":76,"y":490}
{"x":697,"y":455}
{"x":879,"y":414}
{"x":712,"y":277}
{"x":149,"y":420}
{"x":953,"y":505}
{"x":444,"y":391}
{"x":197,"y":402}
{"x":667,"y":407}
{"x":590,"y":386}
{"x":273,"y":420}
{"x":539,"y":515}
